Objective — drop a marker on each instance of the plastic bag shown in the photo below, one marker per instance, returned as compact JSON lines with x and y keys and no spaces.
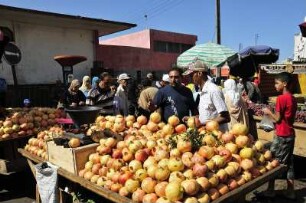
{"x":46,"y":177}
{"x":266,"y":123}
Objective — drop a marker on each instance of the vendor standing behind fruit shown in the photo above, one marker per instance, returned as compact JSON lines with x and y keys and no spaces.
{"x":174,"y":99}
{"x":102,"y":95}
{"x":73,"y":96}
{"x":212,"y":105}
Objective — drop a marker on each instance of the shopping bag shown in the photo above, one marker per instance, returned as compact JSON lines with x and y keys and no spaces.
{"x":46,"y":178}
{"x":266,"y":123}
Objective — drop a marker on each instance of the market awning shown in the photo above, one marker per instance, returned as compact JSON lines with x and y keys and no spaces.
{"x":211,"y":54}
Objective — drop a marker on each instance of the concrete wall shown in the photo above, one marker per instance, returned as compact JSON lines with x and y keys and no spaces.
{"x":39,"y":44}
{"x":135,"y":52}
{"x":139,"y":39}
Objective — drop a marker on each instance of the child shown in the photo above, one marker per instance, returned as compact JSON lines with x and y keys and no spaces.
{"x":283,"y":143}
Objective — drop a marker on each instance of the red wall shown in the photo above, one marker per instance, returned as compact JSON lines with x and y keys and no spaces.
{"x":132,"y":52}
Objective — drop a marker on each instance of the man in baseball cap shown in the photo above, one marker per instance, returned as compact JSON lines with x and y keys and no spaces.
{"x":212,"y":105}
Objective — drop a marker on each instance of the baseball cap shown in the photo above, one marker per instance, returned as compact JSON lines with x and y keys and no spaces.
{"x":123,"y":76}
{"x":196,"y":66}
{"x":150,"y":75}
{"x":26,"y":101}
{"x":166,"y":78}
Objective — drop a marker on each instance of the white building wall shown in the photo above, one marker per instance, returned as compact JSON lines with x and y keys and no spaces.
{"x":299,"y":47}
{"x":39,"y":44}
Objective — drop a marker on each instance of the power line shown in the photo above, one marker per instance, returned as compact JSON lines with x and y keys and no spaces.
{"x":171,"y":5}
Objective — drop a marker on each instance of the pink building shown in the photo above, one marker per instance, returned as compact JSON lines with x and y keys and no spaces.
{"x":145,"y":51}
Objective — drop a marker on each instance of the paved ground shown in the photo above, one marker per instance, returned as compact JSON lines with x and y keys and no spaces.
{"x":20,"y":187}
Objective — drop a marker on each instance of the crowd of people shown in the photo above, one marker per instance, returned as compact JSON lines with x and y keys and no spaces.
{"x":192,"y":93}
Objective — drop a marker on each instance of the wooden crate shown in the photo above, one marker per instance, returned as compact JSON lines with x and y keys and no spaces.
{"x":70,"y":159}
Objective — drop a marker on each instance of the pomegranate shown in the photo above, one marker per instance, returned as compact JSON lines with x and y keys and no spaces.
{"x":191,"y":200}
{"x":242,"y":141}
{"x":74,"y":142}
{"x":227,"y":137}
{"x":223,"y":189}
{"x":206,"y":152}
{"x":180,"y":128}
{"x":174,"y":191}
{"x":213,"y":194}
{"x":232,"y":184}
{"x":155,"y":117}
{"x":209,"y":140}
{"x":150,"y":198}
{"x":138,"y":195}
{"x":184,"y":146}
{"x":247,"y":164}
{"x":142,"y":120}
{"x":148,"y":185}
{"x":131,"y":185}
{"x":141,"y":155}
{"x":140,"y":174}
{"x":186,"y":159}
{"x":246,"y":153}
{"x":233,"y":148}
{"x":123,"y":192}
{"x":239,"y":129}
{"x":203,"y":198}
{"x":199,"y":170}
{"x":175,"y":164}
{"x":204,"y":183}
{"x":176,"y":176}
{"x":222,"y":175}
{"x":173,"y":120}
{"x":162,"y":174}
{"x":212,"y":125}
{"x":191,"y":187}
{"x":160,"y":189}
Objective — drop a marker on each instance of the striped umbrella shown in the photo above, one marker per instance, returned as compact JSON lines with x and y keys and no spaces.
{"x":211,"y":54}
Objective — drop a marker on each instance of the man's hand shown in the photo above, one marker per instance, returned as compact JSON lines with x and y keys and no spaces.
{"x":267,"y":111}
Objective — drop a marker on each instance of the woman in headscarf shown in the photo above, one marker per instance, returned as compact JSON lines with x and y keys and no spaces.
{"x":74,"y":97}
{"x":86,"y":86}
{"x":94,"y":82}
{"x":236,"y":106}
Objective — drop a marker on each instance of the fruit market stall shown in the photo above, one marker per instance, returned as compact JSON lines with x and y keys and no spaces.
{"x":19,"y":125}
{"x":167,"y":162}
{"x":233,"y":196}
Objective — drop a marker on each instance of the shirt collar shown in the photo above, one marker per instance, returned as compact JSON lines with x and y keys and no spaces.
{"x":205,"y":87}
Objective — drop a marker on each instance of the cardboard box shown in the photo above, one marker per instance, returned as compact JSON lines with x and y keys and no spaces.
{"x":70,"y":159}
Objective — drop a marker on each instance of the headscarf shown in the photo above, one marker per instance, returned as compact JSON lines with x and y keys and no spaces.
{"x":94,"y":81}
{"x":230,"y":90}
{"x":74,"y":83}
{"x":86,"y":86}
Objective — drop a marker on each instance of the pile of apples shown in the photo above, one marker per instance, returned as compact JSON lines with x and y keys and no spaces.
{"x":38,"y":146}
{"x":29,"y":122}
{"x":145,"y":168}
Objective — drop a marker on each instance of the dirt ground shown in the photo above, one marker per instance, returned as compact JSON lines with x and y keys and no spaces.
{"x":20,"y":187}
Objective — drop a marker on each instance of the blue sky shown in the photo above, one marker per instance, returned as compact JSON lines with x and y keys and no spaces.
{"x":274,"y":21}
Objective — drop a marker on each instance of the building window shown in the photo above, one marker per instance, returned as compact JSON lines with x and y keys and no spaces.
{"x":171,"y":47}
{"x":160,"y":46}
{"x":185,"y":47}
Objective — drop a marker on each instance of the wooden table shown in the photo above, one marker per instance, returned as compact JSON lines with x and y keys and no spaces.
{"x":233,"y":196}
{"x":115,"y":197}
{"x":300,"y":136}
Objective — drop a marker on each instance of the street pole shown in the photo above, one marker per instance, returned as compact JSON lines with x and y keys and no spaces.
{"x":218,"y":22}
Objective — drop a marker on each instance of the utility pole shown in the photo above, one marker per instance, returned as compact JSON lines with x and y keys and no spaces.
{"x":218,"y":24}
{"x":256,"y":38}
{"x":240,"y":46}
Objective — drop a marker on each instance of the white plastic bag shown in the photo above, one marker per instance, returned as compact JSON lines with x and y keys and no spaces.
{"x":46,"y":178}
{"x":266,"y":123}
